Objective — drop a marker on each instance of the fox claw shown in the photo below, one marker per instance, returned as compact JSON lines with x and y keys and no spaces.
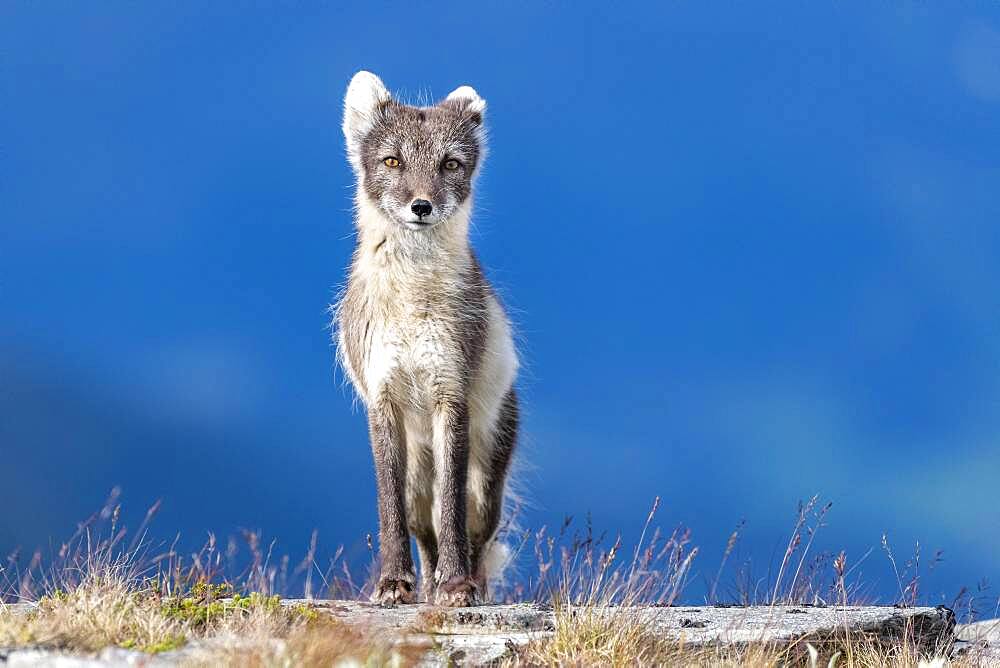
{"x":457,"y":592}
{"x":390,"y":592}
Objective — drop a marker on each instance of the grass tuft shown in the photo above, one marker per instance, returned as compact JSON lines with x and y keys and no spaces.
{"x":103,"y":592}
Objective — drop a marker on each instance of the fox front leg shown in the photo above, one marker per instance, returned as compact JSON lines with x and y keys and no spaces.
{"x":451,"y":458}
{"x":396,"y":583}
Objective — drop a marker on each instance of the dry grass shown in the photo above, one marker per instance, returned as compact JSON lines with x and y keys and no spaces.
{"x":105,"y":611}
{"x":599,"y":601}
{"x":99,"y":593}
{"x":104,"y":592}
{"x":91,"y":617}
{"x":625,"y":638}
{"x":323,"y":642}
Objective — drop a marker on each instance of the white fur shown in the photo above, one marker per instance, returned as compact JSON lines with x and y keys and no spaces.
{"x":365,"y":92}
{"x":475,"y":103}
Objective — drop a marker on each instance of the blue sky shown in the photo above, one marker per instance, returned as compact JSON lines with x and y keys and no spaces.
{"x":752,"y":254}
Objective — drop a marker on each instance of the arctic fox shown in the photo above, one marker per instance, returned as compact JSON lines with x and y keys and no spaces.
{"x":427,"y":344}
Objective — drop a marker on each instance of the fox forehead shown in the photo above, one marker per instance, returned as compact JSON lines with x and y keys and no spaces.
{"x":423,"y":133}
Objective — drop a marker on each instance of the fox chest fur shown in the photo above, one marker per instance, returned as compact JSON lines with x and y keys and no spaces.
{"x":413,"y":329}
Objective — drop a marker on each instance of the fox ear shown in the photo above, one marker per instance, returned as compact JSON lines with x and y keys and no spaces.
{"x":365,"y":94}
{"x":465,"y":98}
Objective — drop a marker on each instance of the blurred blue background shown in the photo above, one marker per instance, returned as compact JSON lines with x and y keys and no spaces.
{"x":752,"y":253}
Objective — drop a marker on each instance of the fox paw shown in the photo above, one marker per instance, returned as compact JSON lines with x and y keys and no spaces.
{"x":390,"y":592}
{"x":457,"y":592}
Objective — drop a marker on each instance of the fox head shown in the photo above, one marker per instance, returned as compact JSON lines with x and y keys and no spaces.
{"x":415,"y":165}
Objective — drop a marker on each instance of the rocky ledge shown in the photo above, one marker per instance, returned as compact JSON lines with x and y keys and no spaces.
{"x":486,"y":634}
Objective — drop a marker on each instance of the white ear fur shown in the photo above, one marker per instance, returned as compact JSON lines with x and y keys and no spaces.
{"x":364,"y":94}
{"x":471,"y":98}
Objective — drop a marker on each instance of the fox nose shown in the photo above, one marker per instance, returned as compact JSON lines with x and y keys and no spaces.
{"x":421,"y":207}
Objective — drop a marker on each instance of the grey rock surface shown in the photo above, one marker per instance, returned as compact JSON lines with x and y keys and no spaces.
{"x":985,"y":631}
{"x":980,"y":641}
{"x":485,"y":634}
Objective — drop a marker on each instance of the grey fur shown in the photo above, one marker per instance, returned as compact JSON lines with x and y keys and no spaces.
{"x":426,"y":343}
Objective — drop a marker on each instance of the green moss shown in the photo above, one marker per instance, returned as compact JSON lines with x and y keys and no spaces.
{"x":255,"y":601}
{"x":57,"y":596}
{"x":192,"y":610}
{"x":203,"y":606}
{"x":209,"y":591}
{"x":166,"y":645}
{"x":308,"y":613}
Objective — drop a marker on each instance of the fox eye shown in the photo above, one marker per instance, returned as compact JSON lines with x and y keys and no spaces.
{"x":451,"y":164}
{"x":391,"y":162}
